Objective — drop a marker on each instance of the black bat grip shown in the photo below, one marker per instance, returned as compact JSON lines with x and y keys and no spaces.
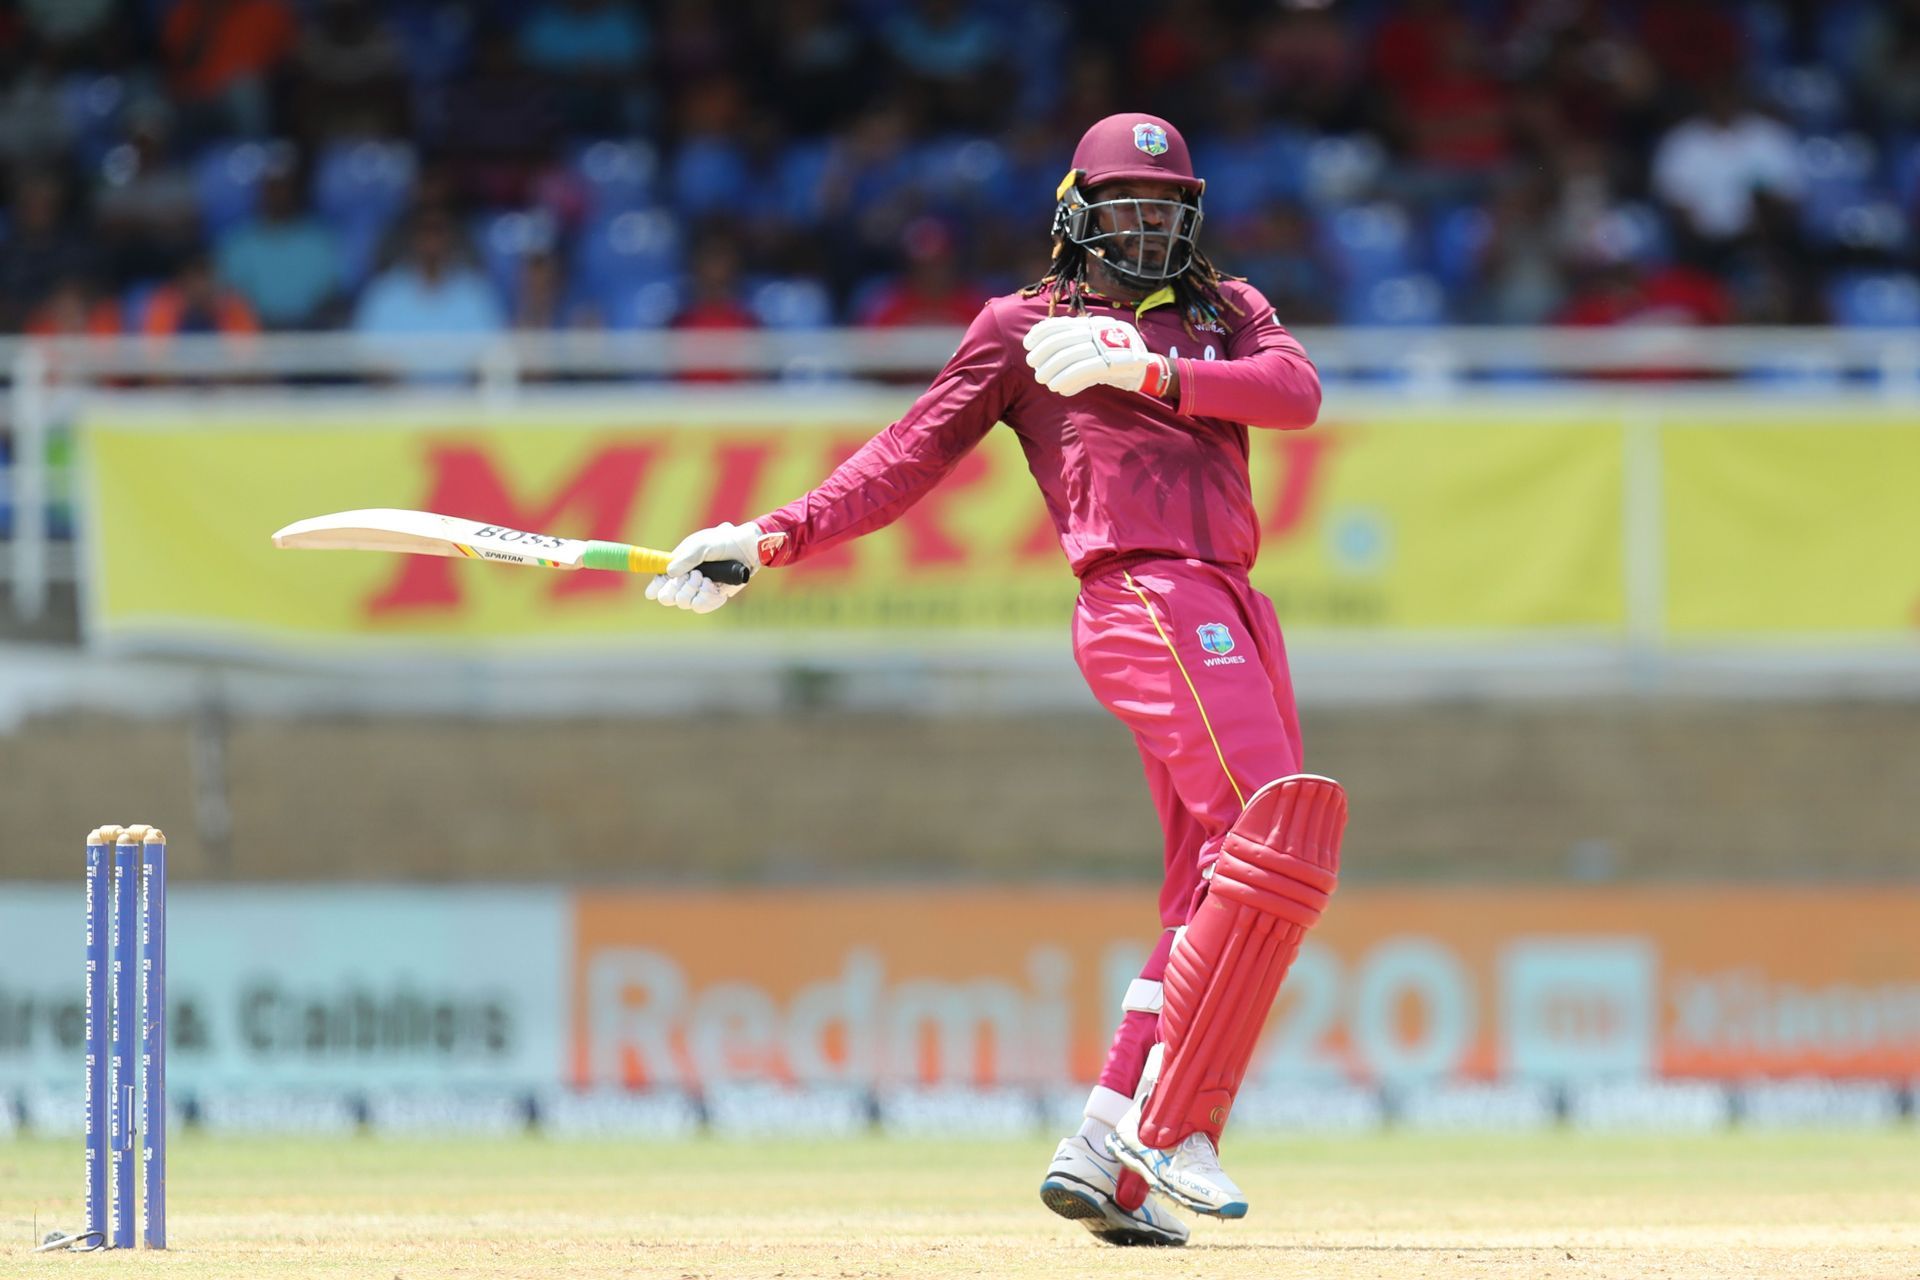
{"x":728,"y":573}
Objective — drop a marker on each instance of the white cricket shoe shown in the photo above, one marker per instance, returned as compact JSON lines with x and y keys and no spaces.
{"x":1189,"y":1175}
{"x":1080,"y":1184}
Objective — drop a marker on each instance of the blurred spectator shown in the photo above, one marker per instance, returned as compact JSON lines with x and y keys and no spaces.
{"x":350,"y":74}
{"x":222,"y":55}
{"x":1888,"y":58}
{"x":283,"y":260}
{"x":1276,"y":251}
{"x":147,"y":205}
{"x":955,"y":59}
{"x":75,"y":308}
{"x":1520,"y":275}
{"x":194,"y":301}
{"x":715,"y":296}
{"x":540,"y":297}
{"x":1622,"y":293}
{"x":33,"y":122}
{"x":931,"y":291}
{"x":1455,"y":118}
{"x":817,"y":61}
{"x":44,"y":245}
{"x":1695,"y":43}
{"x":588,"y":49}
{"x":495,"y":127}
{"x":1726,"y":171}
{"x":432,"y":289}
{"x":67,"y":23}
{"x":1312,"y":60}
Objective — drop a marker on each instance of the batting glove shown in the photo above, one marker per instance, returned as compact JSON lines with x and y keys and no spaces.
{"x":1071,"y":353}
{"x":683,"y":586}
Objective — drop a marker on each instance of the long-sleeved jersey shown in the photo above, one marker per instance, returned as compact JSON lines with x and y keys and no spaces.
{"x":1122,"y":473}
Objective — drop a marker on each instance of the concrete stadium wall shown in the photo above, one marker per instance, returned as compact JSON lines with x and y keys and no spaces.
{"x":1596,"y":789}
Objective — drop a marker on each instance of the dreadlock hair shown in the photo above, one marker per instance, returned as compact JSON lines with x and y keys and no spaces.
{"x":1196,"y":291}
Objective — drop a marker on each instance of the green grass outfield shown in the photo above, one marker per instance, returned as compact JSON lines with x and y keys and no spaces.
{"x":1736,"y":1205}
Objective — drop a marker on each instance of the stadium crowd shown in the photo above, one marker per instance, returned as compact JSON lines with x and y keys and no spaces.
{"x":423,"y":165}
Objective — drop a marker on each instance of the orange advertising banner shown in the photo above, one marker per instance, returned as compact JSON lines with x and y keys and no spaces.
{"x":1022,"y":986}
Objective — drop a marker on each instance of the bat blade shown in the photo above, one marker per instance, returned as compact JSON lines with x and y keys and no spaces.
{"x":426,"y":533}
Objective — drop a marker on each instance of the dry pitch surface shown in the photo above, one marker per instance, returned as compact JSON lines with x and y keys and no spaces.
{"x":1826,"y":1206}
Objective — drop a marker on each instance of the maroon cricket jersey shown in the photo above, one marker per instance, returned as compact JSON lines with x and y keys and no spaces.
{"x":1122,"y":473}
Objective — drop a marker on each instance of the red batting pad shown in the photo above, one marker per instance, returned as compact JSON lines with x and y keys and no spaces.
{"x":1276,"y":869}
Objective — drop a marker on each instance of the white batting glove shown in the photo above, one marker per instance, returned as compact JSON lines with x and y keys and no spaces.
{"x":1071,"y":353}
{"x":683,"y":586}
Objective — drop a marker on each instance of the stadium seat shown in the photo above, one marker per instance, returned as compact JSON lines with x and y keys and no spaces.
{"x":710,"y":175}
{"x":227,"y":179}
{"x":618,"y":176}
{"x":93,"y":108}
{"x":792,"y":303}
{"x":1876,"y":300}
{"x":799,"y":182}
{"x":508,"y":239}
{"x":1368,"y":242}
{"x":650,"y":304}
{"x":1410,"y":300}
{"x":1460,"y":235}
{"x":363,"y":181}
{"x":625,"y":254}
{"x":1342,"y":169}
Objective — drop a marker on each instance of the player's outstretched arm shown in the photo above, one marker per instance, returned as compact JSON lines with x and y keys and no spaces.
{"x":683,"y":586}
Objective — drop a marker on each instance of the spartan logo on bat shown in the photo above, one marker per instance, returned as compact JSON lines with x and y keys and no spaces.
{"x":1150,"y":138}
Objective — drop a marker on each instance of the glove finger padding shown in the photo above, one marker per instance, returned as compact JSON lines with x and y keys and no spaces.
{"x":1067,"y":340}
{"x":1078,"y":357}
{"x":1051,"y":327}
{"x":1076,"y":378}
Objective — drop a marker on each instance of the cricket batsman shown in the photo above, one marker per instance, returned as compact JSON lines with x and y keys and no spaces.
{"x":1132,"y":373}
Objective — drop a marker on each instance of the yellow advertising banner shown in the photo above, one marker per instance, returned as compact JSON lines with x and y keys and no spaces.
{"x":1409,"y":521}
{"x":1023,"y":985}
{"x":1793,"y":526}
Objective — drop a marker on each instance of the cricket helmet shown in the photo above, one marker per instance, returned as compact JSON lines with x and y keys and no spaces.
{"x":1144,"y":240}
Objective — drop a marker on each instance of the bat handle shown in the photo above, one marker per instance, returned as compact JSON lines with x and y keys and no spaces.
{"x":728,"y":573}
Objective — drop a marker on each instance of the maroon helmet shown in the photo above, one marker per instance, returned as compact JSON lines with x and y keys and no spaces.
{"x":1144,"y":240}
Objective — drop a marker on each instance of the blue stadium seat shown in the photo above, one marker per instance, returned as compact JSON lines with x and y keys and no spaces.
{"x":1869,"y":223}
{"x":799,"y":181}
{"x":1460,"y":236}
{"x":1838,"y":160}
{"x":508,"y":239}
{"x":1410,"y":300}
{"x":93,"y":107}
{"x":650,"y":304}
{"x":227,"y":179}
{"x":1905,"y":174}
{"x":618,"y":176}
{"x":362,"y":182}
{"x":710,"y":175}
{"x":1368,"y":242}
{"x":627,"y":253}
{"x":1875,"y":300}
{"x":797,"y":302}
{"x":1239,"y":178}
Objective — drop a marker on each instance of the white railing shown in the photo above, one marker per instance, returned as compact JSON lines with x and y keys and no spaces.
{"x":50,"y":381}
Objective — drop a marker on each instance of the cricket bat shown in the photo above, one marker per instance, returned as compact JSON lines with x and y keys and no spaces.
{"x":424,"y":533}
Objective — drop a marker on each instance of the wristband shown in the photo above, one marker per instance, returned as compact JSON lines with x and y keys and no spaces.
{"x":1159,"y":377}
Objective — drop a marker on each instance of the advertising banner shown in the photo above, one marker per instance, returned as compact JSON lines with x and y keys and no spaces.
{"x":530,"y":989}
{"x":1806,"y":527}
{"x":1402,"y":521}
{"x":1002,"y":986}
{"x":308,"y":988}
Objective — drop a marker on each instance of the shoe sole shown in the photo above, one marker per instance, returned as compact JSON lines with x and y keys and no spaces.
{"x":1075,"y":1206}
{"x":1231,"y":1210}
